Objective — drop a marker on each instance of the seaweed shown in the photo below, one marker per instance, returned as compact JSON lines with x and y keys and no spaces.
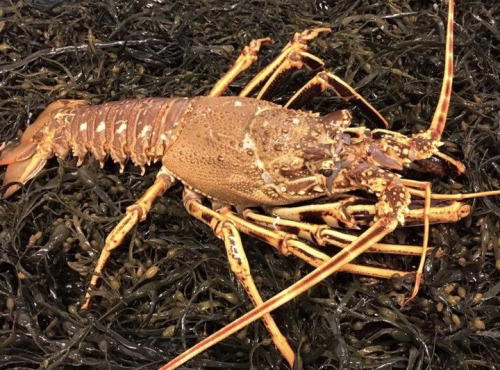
{"x":169,"y":284}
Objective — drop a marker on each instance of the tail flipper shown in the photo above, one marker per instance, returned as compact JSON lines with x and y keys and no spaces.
{"x":25,"y":159}
{"x":23,"y":163}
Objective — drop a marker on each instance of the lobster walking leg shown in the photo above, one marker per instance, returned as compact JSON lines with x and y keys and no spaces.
{"x":293,"y":61}
{"x":322,"y":234}
{"x":225,"y":230}
{"x":376,"y":232}
{"x":245,"y":60}
{"x":135,"y":213}
{"x":287,"y":243}
{"x":394,"y":199}
{"x":326,"y":80}
{"x":297,"y":44}
{"x":418,"y":275}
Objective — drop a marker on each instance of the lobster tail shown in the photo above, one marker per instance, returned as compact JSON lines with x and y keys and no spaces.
{"x":23,"y":162}
{"x":25,"y":159}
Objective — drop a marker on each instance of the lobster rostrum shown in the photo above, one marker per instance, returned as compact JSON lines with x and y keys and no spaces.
{"x":249,"y":152}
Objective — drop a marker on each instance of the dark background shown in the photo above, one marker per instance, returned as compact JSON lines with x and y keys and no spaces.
{"x":51,"y":231}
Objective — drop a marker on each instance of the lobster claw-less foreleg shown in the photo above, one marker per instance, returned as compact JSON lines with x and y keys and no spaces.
{"x":394,"y":199}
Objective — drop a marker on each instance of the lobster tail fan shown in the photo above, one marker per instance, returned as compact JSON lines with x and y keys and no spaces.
{"x":17,"y":152}
{"x":23,"y":163}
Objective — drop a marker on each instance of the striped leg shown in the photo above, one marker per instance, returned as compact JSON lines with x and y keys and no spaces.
{"x":292,"y":62}
{"x":288,"y":243}
{"x":279,"y":68}
{"x":392,"y":207}
{"x":322,"y":235}
{"x":226,"y":230}
{"x":247,"y":57}
{"x":428,"y":196}
{"x":135,"y":213}
{"x":376,"y":232}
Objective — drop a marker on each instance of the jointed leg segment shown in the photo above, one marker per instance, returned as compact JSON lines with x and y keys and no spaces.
{"x":294,"y":52}
{"x":134,"y":214}
{"x":226,"y":230}
{"x":352,"y":212}
{"x":245,"y":60}
{"x":322,"y":234}
{"x":376,"y":232}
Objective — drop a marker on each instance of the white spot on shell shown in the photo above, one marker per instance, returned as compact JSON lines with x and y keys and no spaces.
{"x":83,"y":126}
{"x":234,"y":248}
{"x":163,"y":137}
{"x":101,"y":127}
{"x":122,"y":128}
{"x":145,"y":130}
{"x":266,"y":176}
{"x":175,"y":124}
{"x":276,"y":221}
{"x":259,"y":164}
{"x":295,"y":120}
{"x":248,"y":142}
{"x":237,"y":103}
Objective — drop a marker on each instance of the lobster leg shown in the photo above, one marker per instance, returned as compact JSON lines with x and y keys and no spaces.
{"x":288,"y":244}
{"x":226,"y":230}
{"x":247,"y":57}
{"x":428,"y":196}
{"x":297,"y":44}
{"x":135,"y":213}
{"x":326,"y":80}
{"x":418,"y":276}
{"x":293,"y":61}
{"x":376,"y":232}
{"x":322,"y":234}
{"x":392,"y":206}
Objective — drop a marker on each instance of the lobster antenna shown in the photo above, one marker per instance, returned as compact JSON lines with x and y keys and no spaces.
{"x":439,"y":120}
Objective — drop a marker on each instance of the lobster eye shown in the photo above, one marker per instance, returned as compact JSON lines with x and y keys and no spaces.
{"x":327,"y":172}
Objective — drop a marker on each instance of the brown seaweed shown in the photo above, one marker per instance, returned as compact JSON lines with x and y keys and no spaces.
{"x":169,"y":284}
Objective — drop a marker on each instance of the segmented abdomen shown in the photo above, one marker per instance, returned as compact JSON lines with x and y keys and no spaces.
{"x":139,"y":129}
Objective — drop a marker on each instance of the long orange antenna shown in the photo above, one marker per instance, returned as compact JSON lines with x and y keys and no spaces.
{"x":439,"y":120}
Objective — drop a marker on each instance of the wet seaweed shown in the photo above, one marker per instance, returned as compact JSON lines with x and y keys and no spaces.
{"x":169,"y":284}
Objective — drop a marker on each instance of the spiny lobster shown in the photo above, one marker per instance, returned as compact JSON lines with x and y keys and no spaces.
{"x":249,"y":152}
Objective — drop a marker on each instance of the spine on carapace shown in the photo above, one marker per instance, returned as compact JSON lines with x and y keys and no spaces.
{"x":140,"y":129}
